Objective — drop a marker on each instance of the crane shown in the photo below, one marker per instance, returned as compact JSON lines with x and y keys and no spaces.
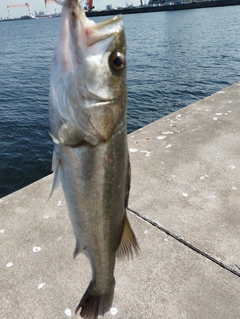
{"x":19,"y":5}
{"x":89,"y":5}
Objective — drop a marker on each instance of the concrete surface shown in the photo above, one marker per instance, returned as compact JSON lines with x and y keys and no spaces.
{"x":185,"y":187}
{"x":187,"y":168}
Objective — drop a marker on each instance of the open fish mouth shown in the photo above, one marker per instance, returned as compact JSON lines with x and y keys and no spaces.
{"x":83,"y":36}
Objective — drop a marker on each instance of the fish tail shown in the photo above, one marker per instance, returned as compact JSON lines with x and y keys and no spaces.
{"x":93,"y":305}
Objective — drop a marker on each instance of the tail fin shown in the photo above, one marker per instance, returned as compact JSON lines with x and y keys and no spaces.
{"x":93,"y":304}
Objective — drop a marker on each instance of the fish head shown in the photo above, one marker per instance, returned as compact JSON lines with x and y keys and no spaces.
{"x":88,"y":78}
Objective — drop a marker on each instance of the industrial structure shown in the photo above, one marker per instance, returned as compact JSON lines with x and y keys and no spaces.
{"x":89,"y":5}
{"x":30,"y":16}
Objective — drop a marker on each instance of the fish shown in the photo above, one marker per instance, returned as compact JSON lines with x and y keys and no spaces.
{"x":87,"y":109}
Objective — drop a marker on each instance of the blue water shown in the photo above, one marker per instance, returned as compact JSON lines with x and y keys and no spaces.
{"x":173,"y":59}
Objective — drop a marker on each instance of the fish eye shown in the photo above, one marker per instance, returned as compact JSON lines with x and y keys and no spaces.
{"x":117,"y":62}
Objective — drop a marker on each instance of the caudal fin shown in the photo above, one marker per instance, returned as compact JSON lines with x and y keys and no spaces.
{"x":93,"y":304}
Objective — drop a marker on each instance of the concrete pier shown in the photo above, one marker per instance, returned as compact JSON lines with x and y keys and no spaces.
{"x":184,"y":209}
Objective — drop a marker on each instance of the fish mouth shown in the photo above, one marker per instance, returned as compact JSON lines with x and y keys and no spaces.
{"x":82,"y":36}
{"x":99,"y":32}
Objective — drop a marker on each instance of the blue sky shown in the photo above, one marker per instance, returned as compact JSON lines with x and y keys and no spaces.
{"x":39,"y":5}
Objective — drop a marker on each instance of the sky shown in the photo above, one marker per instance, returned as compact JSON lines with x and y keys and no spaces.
{"x":37,"y":5}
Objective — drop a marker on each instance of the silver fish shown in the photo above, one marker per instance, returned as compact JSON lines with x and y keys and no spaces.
{"x":87,"y":104}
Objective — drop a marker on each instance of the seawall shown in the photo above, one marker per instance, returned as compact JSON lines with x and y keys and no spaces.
{"x":184,"y":208}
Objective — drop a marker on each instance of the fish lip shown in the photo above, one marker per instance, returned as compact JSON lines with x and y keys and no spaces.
{"x":98,"y":33}
{"x":93,"y":32}
{"x":104,"y":23}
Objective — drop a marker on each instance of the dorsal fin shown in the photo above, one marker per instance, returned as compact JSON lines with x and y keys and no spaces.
{"x":128,"y":243}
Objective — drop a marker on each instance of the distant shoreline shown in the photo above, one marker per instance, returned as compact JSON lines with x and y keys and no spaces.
{"x":184,"y":6}
{"x":30,"y":18}
{"x":146,"y":8}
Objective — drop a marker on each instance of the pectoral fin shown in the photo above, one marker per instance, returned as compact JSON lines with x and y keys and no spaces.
{"x":128,"y":243}
{"x":69,"y":135}
{"x":77,"y":250}
{"x":72,"y":136}
{"x":55,"y":169}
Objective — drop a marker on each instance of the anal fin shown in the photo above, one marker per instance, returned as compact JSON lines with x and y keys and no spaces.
{"x":128,"y":243}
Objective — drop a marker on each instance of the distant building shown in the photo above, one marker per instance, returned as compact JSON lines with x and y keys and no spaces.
{"x":39,"y":13}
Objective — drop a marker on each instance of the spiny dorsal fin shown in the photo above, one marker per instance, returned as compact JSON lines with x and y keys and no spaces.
{"x":128,"y":243}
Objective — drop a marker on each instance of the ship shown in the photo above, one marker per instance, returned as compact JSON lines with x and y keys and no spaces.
{"x":158,"y":6}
